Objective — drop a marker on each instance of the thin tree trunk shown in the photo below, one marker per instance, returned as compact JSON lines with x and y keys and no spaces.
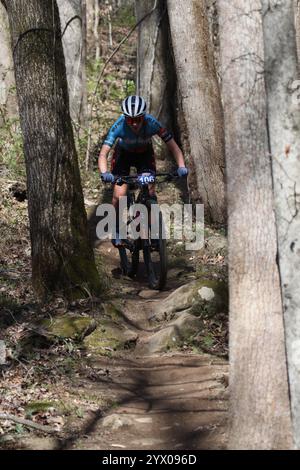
{"x":7,"y":82}
{"x":201,"y":102}
{"x":213,"y":21}
{"x":84,"y":101}
{"x":110,"y":38}
{"x":62,"y":258}
{"x":297,"y":25}
{"x":284,"y":134}
{"x":96,"y":30}
{"x":259,"y":400}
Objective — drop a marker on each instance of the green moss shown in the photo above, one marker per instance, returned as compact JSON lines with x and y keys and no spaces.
{"x":109,"y":337}
{"x":112,"y":311}
{"x":35,"y":407}
{"x":69,"y":327}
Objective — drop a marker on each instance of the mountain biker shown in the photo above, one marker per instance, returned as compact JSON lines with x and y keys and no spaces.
{"x":134,"y":131}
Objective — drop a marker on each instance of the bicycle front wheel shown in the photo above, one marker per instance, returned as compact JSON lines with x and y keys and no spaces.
{"x":135,"y":259}
{"x":155,"y":258}
{"x":123,"y":260}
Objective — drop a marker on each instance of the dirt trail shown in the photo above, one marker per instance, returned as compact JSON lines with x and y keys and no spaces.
{"x":172,"y":400}
{"x":140,"y":399}
{"x":162,"y":401}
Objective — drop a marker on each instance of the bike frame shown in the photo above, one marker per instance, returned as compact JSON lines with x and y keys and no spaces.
{"x":142,"y":197}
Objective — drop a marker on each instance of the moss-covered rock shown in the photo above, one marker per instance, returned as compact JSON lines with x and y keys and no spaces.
{"x":199,"y":295}
{"x":47,"y":332}
{"x":110,"y":336}
{"x":112,"y":310}
{"x":172,"y":335}
{"x":68,"y":327}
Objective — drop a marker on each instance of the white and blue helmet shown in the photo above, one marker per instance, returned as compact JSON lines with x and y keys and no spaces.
{"x":134,"y":106}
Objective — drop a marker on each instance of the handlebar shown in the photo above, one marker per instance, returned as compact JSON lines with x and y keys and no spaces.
{"x":133,"y":179}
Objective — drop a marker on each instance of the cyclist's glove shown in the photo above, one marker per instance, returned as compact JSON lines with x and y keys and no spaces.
{"x":182,"y":171}
{"x":107,"y":177}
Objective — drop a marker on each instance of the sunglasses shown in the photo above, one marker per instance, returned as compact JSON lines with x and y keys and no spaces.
{"x":135,"y":120}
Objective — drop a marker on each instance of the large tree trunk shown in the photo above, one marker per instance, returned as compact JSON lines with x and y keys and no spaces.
{"x":156,"y":77}
{"x":70,"y":12}
{"x":155,"y":72}
{"x":62,"y":258}
{"x":7,"y":95}
{"x":284,"y":134}
{"x":201,"y":102}
{"x":259,"y":400}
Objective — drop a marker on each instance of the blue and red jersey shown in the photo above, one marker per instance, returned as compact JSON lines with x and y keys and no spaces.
{"x":132,"y":141}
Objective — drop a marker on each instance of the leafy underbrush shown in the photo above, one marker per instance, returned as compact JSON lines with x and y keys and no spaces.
{"x":12,"y":163}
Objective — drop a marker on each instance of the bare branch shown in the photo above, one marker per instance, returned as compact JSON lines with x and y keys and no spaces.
{"x":28,"y":423}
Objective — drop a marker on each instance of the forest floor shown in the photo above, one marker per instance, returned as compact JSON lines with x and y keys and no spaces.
{"x":141,"y":379}
{"x":138,"y":369}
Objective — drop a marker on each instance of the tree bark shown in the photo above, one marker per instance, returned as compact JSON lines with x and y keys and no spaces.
{"x":96,"y":30}
{"x":259,"y":400}
{"x":201,"y":102}
{"x":84,"y":101}
{"x":297,"y":25}
{"x":7,"y":81}
{"x":282,"y":83}
{"x":155,"y":72}
{"x":70,"y":12}
{"x":213,"y":22}
{"x":62,"y":258}
{"x":156,"y":76}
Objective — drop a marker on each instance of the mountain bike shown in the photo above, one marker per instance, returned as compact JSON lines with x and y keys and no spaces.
{"x":154,"y":250}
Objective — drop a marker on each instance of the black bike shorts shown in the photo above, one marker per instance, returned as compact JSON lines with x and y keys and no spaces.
{"x":143,"y":161}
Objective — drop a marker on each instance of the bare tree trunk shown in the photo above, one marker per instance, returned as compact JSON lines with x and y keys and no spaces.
{"x":109,"y":9}
{"x":259,"y":400}
{"x":213,"y":21}
{"x":156,"y":76}
{"x":155,"y":72}
{"x":284,"y":134}
{"x":62,"y":258}
{"x":7,"y":82}
{"x":96,"y":30}
{"x":201,"y":102}
{"x":71,"y":24}
{"x":84,"y":101}
{"x":90,"y":4}
{"x":297,"y":25}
